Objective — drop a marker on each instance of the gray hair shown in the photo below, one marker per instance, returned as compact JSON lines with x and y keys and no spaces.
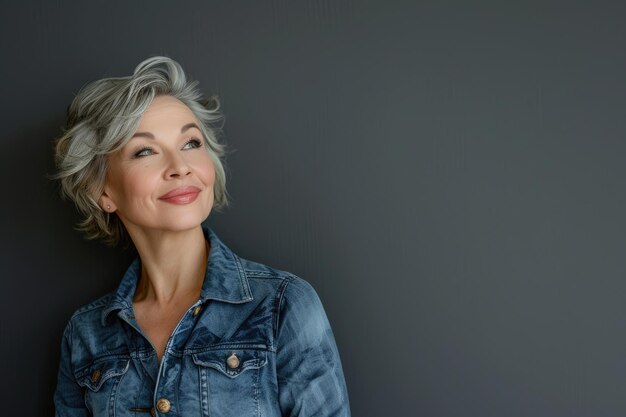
{"x":103,"y":117}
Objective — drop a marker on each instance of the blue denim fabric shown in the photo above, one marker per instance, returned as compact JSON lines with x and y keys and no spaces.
{"x":258,"y":345}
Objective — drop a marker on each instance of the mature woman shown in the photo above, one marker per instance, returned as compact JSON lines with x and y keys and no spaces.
{"x":192,"y":329}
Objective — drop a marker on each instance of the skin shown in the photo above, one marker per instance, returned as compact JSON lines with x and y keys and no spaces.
{"x":166,"y":232}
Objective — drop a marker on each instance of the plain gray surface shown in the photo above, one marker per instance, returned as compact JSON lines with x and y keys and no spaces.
{"x":449,"y":177}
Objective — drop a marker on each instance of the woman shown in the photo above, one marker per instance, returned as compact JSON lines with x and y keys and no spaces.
{"x":193,"y":329}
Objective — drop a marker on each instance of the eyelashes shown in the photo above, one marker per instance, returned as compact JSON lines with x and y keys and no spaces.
{"x":144,"y":151}
{"x":193,"y":144}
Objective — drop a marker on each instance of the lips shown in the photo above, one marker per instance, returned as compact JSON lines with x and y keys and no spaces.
{"x":182,"y":195}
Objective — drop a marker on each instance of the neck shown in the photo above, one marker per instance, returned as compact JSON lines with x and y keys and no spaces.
{"x":173,"y":265}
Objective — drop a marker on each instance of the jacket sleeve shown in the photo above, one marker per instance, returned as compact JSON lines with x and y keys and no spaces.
{"x":309,"y":373}
{"x":68,"y":396}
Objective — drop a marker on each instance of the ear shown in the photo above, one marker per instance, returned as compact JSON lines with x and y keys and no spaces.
{"x":106,"y":203}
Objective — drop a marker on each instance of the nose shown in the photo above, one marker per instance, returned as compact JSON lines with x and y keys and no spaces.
{"x":177,"y":166}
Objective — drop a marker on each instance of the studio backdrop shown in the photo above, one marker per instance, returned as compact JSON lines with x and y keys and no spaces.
{"x":449,"y":176}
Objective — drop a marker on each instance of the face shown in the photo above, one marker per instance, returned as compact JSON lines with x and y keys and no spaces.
{"x":162,"y":179}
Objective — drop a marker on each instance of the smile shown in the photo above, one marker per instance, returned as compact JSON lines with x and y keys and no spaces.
{"x":183,"y":195}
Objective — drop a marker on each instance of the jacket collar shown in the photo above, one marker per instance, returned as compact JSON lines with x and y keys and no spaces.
{"x":224,"y":280}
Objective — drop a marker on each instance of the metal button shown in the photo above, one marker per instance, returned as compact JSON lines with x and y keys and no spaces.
{"x":232,"y":361}
{"x":95,"y":376}
{"x":163,"y":405}
{"x":196,"y":311}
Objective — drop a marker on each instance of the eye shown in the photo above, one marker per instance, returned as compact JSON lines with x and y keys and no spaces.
{"x":143,"y":152}
{"x":193,"y":144}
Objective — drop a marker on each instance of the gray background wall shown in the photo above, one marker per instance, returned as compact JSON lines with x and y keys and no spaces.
{"x":448,"y":175}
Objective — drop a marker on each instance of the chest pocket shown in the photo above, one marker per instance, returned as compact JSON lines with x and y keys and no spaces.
{"x":229,"y":380}
{"x":100,"y":380}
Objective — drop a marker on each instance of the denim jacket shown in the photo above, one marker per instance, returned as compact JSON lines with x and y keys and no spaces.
{"x":257,"y":343}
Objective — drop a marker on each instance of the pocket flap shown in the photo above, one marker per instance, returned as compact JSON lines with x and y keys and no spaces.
{"x":231,"y":362}
{"x":94,"y":375}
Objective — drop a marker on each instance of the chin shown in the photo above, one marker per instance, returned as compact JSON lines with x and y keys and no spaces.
{"x":183,"y":223}
{"x":170,"y":220}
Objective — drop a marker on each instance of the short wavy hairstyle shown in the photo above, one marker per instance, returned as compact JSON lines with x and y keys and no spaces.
{"x":103,"y":117}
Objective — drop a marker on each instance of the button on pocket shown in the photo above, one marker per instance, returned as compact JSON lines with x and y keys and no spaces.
{"x":100,"y":370}
{"x":233,"y":361}
{"x":229,"y":380}
{"x":100,"y":379}
{"x":95,"y":376}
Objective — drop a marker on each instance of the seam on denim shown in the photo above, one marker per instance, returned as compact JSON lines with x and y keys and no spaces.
{"x":140,"y":353}
{"x":177,"y":385}
{"x":100,"y":302}
{"x":84,"y":369}
{"x":256,"y":392}
{"x":227,"y":346}
{"x":141,"y":373}
{"x":221,"y":369}
{"x":204,"y":391}
{"x":85,"y":391}
{"x":243,"y":280}
{"x":113,"y":399}
{"x":176,"y":353}
{"x":261,"y":274}
{"x":208,"y":391}
{"x":278,"y":303}
{"x":68,"y":334}
{"x":224,"y":300}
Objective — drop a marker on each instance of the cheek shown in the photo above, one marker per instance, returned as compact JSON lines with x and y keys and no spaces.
{"x":132,"y":184}
{"x":142,"y":182}
{"x":205,"y":169}
{"x":138,"y":188}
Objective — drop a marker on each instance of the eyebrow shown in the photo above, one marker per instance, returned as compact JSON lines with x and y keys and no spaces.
{"x":151,"y":136}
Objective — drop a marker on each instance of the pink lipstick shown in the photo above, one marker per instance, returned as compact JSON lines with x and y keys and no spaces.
{"x":182,"y":195}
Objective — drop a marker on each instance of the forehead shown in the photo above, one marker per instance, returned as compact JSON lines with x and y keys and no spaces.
{"x":166,"y":112}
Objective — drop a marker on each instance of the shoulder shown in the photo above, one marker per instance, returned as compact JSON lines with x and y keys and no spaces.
{"x":292,"y":294}
{"x":257,"y":270}
{"x":88,"y":334}
{"x":91,"y":312}
{"x":286,"y":284}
